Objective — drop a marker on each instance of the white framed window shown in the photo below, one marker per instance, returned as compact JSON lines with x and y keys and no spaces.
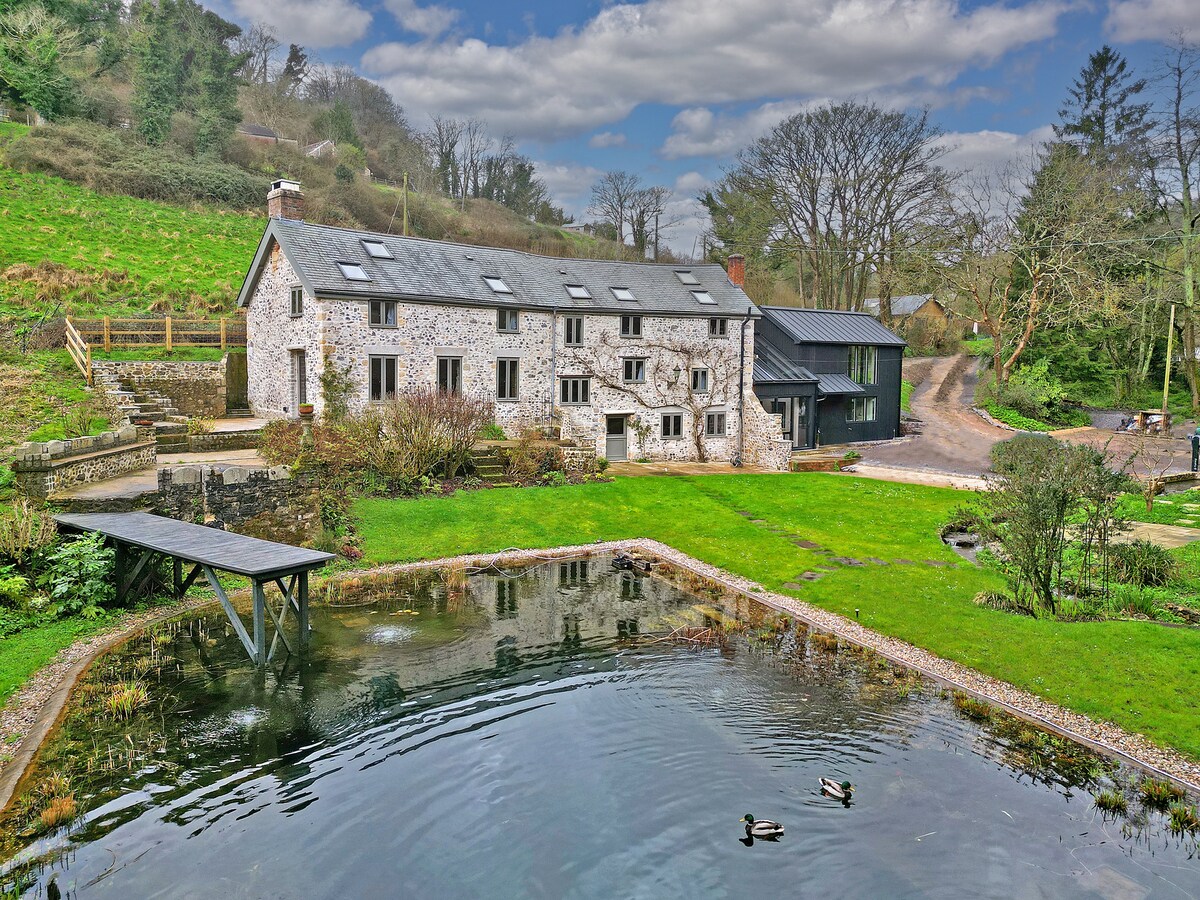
{"x":700,"y":381}
{"x":704,"y":297}
{"x":497,"y":284}
{"x":573,"y":331}
{"x":575,"y":391}
{"x":297,"y":298}
{"x":507,"y":379}
{"x":353,"y":272}
{"x":862,"y":364}
{"x":624,"y":294}
{"x":860,"y":409}
{"x":449,"y":374}
{"x":714,"y":424}
{"x":633,"y":370}
{"x":381,"y":377}
{"x":672,"y":426}
{"x":508,"y":320}
{"x":685,"y":276}
{"x":382,"y":314}
{"x":631,"y":326}
{"x":377,"y":250}
{"x":718,"y":328}
{"x":578,"y":292}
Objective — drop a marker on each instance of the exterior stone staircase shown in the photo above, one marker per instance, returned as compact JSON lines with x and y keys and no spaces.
{"x":170,"y":428}
{"x":488,"y":465}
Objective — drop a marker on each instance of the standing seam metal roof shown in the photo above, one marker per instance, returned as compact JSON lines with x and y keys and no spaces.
{"x":440,"y":271}
{"x":772,"y":366}
{"x":825,"y":326}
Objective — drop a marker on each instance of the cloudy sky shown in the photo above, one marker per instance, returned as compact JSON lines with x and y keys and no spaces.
{"x":671,"y":89}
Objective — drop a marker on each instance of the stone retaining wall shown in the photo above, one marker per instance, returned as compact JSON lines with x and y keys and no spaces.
{"x":221,"y":441}
{"x":196,"y":389}
{"x":42,"y":469}
{"x":262,"y":502}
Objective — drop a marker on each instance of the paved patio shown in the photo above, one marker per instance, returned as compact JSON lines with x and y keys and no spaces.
{"x":145,"y":481}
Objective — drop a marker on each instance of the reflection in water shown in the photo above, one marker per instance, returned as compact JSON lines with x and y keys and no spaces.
{"x":581,"y":745}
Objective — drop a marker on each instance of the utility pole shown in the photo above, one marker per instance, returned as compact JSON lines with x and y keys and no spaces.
{"x":406,"y":205}
{"x":1167,"y":374}
{"x":656,"y":237}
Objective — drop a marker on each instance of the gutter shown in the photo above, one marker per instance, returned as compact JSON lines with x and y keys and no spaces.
{"x":553,"y":360}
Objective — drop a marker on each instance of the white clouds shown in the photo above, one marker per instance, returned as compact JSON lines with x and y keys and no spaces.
{"x":698,"y":131}
{"x":1151,"y":20}
{"x":989,"y":152}
{"x":704,"y":52}
{"x":570,"y":184}
{"x":607,"y":139}
{"x":427,"y":21}
{"x":312,"y":23}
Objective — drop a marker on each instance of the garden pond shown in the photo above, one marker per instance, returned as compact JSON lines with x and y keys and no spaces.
{"x":559,"y":730}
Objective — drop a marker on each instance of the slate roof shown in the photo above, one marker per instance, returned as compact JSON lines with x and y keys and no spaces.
{"x":901,"y":306}
{"x":837,"y":384}
{"x":255,"y":130}
{"x":771,"y":366}
{"x":439,"y":271}
{"x":824,"y":326}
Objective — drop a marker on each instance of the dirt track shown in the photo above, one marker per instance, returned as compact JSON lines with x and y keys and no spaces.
{"x":953,"y":438}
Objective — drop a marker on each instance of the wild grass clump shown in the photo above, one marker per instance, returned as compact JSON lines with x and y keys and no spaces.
{"x":59,"y":811}
{"x":1003,"y":602}
{"x":972,"y":707}
{"x":1111,"y":801}
{"x":824,"y":641}
{"x":125,"y":699}
{"x":1183,"y":818}
{"x":1159,"y":794}
{"x":1143,"y":563}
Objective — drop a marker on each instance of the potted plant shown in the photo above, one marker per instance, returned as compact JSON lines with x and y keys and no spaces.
{"x":306,"y":409}
{"x":143,"y":423}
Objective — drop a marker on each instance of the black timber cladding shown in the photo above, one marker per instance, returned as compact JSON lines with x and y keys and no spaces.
{"x":439,"y":271}
{"x":212,"y":547}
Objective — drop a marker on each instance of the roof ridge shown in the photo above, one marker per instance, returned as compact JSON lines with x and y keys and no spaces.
{"x":424,"y":240}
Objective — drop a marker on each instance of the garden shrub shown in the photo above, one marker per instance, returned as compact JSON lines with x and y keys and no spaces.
{"x":78,"y":575}
{"x":25,"y":530}
{"x":493,"y":432}
{"x":1142,"y":563}
{"x":533,"y":457}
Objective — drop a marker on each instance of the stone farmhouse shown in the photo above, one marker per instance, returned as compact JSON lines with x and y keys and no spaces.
{"x":633,"y":360}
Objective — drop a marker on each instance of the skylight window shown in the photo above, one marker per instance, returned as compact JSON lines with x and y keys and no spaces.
{"x":686,"y":277}
{"x":578,"y":292}
{"x":377,"y":250}
{"x":704,"y":297}
{"x":497,"y":284}
{"x":353,"y":272}
{"x":623,"y":294}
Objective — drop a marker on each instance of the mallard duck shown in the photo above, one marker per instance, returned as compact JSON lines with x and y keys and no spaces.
{"x":835,"y":789}
{"x":761,"y":828}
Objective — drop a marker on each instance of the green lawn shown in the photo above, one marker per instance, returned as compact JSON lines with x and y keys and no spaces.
{"x":36,"y":391}
{"x":25,"y":652}
{"x":1182,"y":508}
{"x":1143,"y":676}
{"x":115,"y":255}
{"x":906,"y":389}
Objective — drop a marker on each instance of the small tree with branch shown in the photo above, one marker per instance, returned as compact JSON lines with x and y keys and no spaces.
{"x":669,"y":379}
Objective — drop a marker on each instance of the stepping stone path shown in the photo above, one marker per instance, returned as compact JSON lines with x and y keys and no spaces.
{"x":941,"y":563}
{"x":847,"y":561}
{"x":877,"y":561}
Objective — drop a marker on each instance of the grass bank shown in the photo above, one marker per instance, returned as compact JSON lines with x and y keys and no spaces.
{"x":1142,"y":676}
{"x":25,"y":652}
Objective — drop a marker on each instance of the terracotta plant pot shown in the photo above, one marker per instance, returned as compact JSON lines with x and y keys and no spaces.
{"x":143,"y":423}
{"x":306,"y":409}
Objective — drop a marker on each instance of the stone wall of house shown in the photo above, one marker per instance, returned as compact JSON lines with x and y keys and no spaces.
{"x":195,"y":388}
{"x":43,"y":469}
{"x":262,"y":502}
{"x":274,"y":338}
{"x":765,"y":445}
{"x":671,"y":346}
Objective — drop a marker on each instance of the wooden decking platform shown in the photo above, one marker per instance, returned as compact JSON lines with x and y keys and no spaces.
{"x":208,"y":550}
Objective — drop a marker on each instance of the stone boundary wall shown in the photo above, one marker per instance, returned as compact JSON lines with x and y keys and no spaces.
{"x":262,"y":502}
{"x":221,"y":441}
{"x":42,"y":469}
{"x":196,"y":389}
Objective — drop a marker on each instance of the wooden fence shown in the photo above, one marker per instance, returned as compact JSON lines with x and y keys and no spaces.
{"x":80,"y":351}
{"x":168,"y":332}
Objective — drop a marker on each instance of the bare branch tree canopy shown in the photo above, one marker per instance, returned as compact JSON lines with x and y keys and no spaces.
{"x":611,"y":196}
{"x":1100,"y":112}
{"x":849,"y":184}
{"x":258,"y":44}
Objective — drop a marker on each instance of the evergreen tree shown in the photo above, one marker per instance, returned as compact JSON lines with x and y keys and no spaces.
{"x":1101,"y":112}
{"x":33,"y":45}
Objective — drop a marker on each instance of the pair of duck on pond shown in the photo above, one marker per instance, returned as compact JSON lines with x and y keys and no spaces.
{"x":767,"y":829}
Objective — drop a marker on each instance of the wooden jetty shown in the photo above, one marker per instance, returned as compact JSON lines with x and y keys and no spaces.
{"x":140,"y":537}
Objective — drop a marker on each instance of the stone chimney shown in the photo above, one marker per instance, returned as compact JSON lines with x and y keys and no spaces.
{"x":736,"y":270}
{"x":285,"y":201}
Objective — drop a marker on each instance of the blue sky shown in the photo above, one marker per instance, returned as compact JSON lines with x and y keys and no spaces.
{"x":671,"y":89}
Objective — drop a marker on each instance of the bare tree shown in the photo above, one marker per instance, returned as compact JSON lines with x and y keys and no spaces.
{"x":844,"y":182}
{"x":259,"y":44}
{"x":611,"y":197}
